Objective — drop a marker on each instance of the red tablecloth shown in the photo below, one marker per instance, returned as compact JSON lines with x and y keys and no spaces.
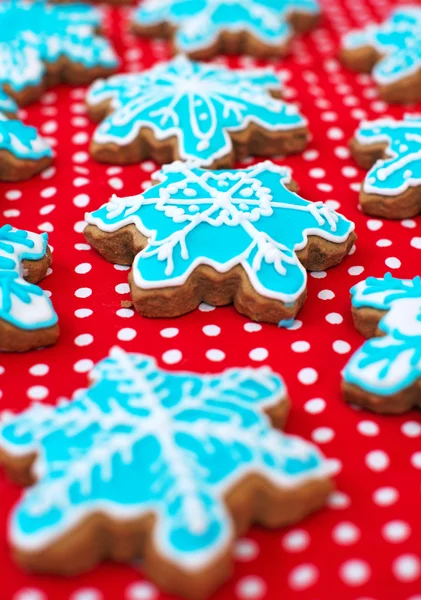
{"x":367,"y":543}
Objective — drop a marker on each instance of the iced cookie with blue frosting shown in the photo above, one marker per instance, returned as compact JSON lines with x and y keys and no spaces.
{"x":8,"y":106}
{"x":23,"y":152}
{"x":43,"y":44}
{"x":27,"y":317}
{"x":384,"y":374}
{"x":391,"y":150}
{"x":221,"y":237}
{"x":170,"y":467}
{"x":185,"y":110}
{"x":391,"y":51}
{"x":204,"y":28}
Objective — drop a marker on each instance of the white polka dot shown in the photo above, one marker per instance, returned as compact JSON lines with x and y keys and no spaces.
{"x":83,"y":292}
{"x":82,"y":313}
{"x":303,"y":577}
{"x":416,"y":243}
{"x":83,"y":366}
{"x":252,"y":327}
{"x":37,"y":392}
{"x":411,"y":429}
{"x":374,"y":224}
{"x":250,"y":588}
{"x":334,"y":133}
{"x":296,"y":540}
{"x":310,"y":155}
{"x":341,"y":152}
{"x":407,"y":567}
{"x":121,"y":267}
{"x":318,"y":274}
{"x":355,"y":572}
{"x":315,"y":406}
{"x":80,"y":181}
{"x":326,"y":295}
{"x":383,"y":243}
{"x":79,"y":158}
{"x":357,"y":270}
{"x":47,"y":209}
{"x":307,"y":376}
{"x":116,"y":183}
{"x":322,"y":435}
{"x":39,"y":370}
{"x":46,"y":227}
{"x":341,"y":347}
{"x":2,"y":370}
{"x":169,"y":332}
{"x":125,"y":313}
{"x":408,"y":223}
{"x":258,"y":354}
{"x":206,"y":307}
{"x":83,"y":268}
{"x":392,"y":262}
{"x":81,"y":200}
{"x":339,"y":500}
{"x":334,"y":318}
{"x":142,"y":590}
{"x":84,"y":339}
{"x":13,"y":195}
{"x":171,"y":357}
{"x":122,"y":288}
{"x":246,"y":550}
{"x":215,"y":355}
{"x":416,"y":460}
{"x":349,"y":171}
{"x":82,"y":247}
{"x":317,"y":173}
{"x":346,"y":533}
{"x":86,"y":594}
{"x":29,"y":594}
{"x":385,"y":496}
{"x":48,"y":192}
{"x":368,"y":428}
{"x":296,"y":324}
{"x":300,"y":346}
{"x":211,"y":330}
{"x":126,"y":334}
{"x":377,"y":460}
{"x":396,"y":531}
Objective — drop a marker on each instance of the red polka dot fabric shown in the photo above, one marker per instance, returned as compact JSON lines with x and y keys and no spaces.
{"x":365,"y":545}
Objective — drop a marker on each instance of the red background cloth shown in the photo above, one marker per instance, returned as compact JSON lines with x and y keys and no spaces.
{"x":367,"y":543}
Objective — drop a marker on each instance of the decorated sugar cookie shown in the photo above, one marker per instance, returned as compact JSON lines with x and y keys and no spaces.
{"x":27,"y":317}
{"x":392,"y":52}
{"x":203,"y":28}
{"x":384,"y":375}
{"x":166,"y":466}
{"x":238,"y":237}
{"x":23,"y":152}
{"x":192,"y":111}
{"x":41,"y":45}
{"x":392,"y":151}
{"x":8,"y":106}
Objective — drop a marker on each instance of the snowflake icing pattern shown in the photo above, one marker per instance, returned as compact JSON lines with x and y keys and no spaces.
{"x":199,"y":23}
{"x":391,"y":363}
{"x":199,"y":104}
{"x":142,"y":440}
{"x":23,"y":141}
{"x":35,"y":35}
{"x":22,"y":304}
{"x":397,"y":42}
{"x":260,"y":226}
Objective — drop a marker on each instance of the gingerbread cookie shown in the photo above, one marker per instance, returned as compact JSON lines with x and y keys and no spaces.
{"x":224,"y":237}
{"x":384,"y":375}
{"x":192,"y":111}
{"x":27,"y":317}
{"x":203,"y":28}
{"x":392,"y":151}
{"x":23,"y":152}
{"x":392,"y":52}
{"x":166,"y":466}
{"x":42,"y":45}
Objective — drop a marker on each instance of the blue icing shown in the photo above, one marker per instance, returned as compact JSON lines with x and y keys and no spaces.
{"x":22,"y":304}
{"x":199,"y":22}
{"x":391,"y":363}
{"x":7,"y":105}
{"x":224,"y":218}
{"x":22,"y":140}
{"x":144,"y":440}
{"x":402,"y":169}
{"x":398,"y":42}
{"x":32,"y":34}
{"x":286,"y":323}
{"x":198,"y":103}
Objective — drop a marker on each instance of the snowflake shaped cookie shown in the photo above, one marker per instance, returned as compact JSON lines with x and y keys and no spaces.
{"x":193,"y":451}
{"x":384,"y":375}
{"x":392,"y":52}
{"x":23,"y":152}
{"x":192,"y":111}
{"x":220,"y":237}
{"x":42,"y":44}
{"x":203,"y":28}
{"x":27,"y":317}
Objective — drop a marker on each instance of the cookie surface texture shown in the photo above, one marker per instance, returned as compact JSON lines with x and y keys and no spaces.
{"x":204,"y":28}
{"x":42,"y":45}
{"x":384,"y":375}
{"x":391,"y":51}
{"x":163,"y":465}
{"x":391,"y":149}
{"x":27,"y":317}
{"x":236,"y":236}
{"x":23,"y":152}
{"x":184,"y":110}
